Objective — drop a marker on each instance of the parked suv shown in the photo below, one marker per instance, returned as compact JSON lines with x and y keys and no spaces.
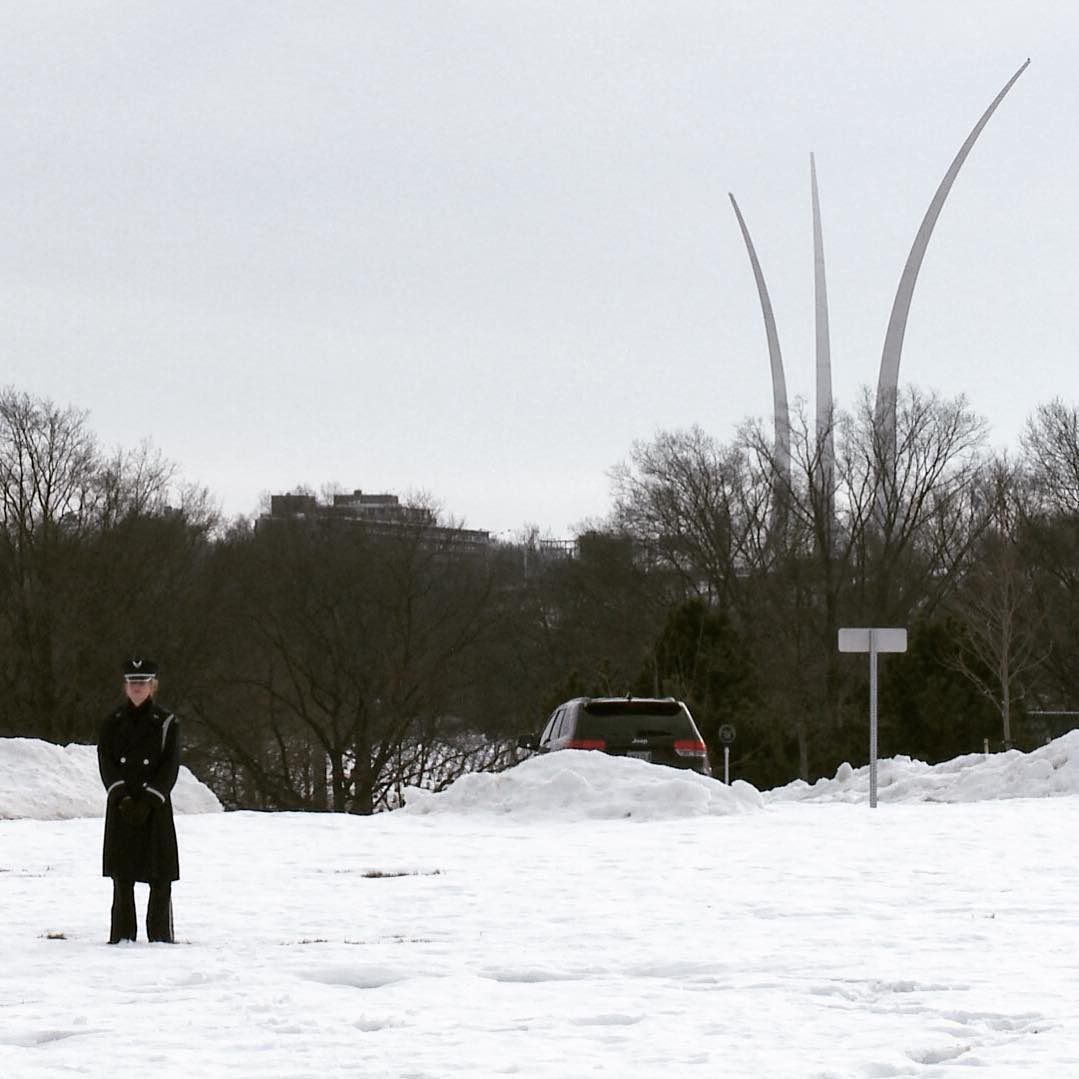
{"x":656,"y":729}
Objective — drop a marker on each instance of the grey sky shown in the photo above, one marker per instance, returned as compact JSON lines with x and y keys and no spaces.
{"x":478,"y":248}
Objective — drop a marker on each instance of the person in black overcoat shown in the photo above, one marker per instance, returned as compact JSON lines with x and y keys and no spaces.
{"x":138,"y":754}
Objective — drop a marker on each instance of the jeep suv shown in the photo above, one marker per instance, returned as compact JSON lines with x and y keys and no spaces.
{"x":659,"y":730}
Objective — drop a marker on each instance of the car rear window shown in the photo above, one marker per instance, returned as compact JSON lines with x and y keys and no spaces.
{"x":629,"y":706}
{"x":606,"y":719}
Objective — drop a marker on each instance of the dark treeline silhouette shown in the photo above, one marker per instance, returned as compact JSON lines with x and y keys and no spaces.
{"x":324,"y":663}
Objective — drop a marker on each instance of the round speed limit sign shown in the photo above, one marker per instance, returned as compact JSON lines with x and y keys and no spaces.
{"x":726,"y":734}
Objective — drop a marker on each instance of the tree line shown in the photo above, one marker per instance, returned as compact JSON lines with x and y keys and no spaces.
{"x":323,"y":664}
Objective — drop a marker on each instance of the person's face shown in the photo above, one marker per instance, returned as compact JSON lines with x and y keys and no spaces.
{"x":139,"y":692}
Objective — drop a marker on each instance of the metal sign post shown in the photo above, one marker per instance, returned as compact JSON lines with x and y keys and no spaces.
{"x":726,"y":736}
{"x":872,"y":641}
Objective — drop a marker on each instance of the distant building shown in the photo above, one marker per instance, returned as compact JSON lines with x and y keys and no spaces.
{"x":379,"y":508}
{"x":381,"y":514}
{"x":291,"y":506}
{"x":590,"y":546}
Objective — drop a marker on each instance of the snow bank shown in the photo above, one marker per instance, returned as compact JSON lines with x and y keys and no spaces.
{"x":582,"y":785}
{"x":1051,"y":770}
{"x":578,"y":785}
{"x":43,"y":781}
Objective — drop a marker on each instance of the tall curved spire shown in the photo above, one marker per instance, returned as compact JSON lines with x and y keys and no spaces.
{"x":824,"y":347}
{"x":779,"y":382}
{"x":888,"y":383}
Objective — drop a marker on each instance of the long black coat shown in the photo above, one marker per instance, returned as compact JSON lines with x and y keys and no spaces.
{"x":138,"y":754}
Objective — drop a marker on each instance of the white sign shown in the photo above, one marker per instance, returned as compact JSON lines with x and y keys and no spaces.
{"x":882,"y":640}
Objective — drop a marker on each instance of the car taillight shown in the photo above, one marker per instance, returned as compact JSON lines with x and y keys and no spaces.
{"x":690,"y":747}
{"x":586,"y":743}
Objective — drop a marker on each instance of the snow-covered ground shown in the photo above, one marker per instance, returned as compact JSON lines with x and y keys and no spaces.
{"x":577,"y":916}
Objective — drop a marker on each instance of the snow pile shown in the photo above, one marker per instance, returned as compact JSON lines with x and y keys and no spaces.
{"x":1051,"y":770}
{"x":43,"y":781}
{"x":583,"y":785}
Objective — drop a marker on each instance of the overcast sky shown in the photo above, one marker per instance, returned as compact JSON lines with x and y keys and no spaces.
{"x":478,"y":248}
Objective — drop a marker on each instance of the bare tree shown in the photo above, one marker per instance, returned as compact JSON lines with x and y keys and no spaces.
{"x":93,"y":561}
{"x":1003,"y":640}
{"x":1051,"y":537}
{"x":913,"y":534}
{"x":698,"y":507}
{"x":1051,"y":446}
{"x":132,"y":483}
{"x":48,"y":460}
{"x":349,"y":647}
{"x":793,"y":552}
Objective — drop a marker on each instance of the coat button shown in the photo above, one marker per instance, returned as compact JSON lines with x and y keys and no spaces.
{"x":146,"y":763}
{"x":123,"y":760}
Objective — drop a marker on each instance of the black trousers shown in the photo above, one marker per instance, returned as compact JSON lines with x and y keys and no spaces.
{"x":158,"y":911}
